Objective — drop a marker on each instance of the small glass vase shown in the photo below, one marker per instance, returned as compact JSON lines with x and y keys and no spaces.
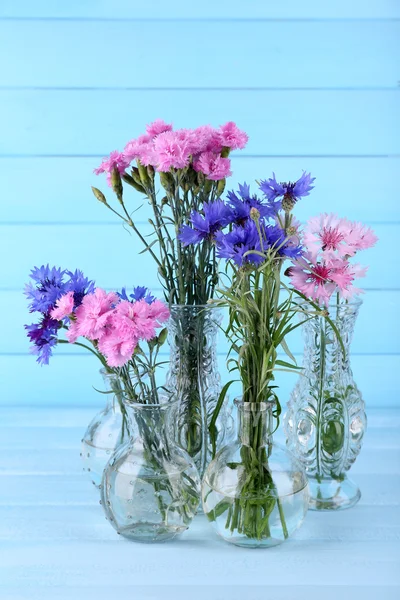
{"x":150,"y":490}
{"x":325,"y":420}
{"x":254,"y":492}
{"x":194,"y":380}
{"x":107,"y":430}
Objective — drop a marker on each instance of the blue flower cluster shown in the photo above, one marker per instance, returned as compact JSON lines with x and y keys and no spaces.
{"x":247,"y":241}
{"x":139,"y":293}
{"x":49,"y":284}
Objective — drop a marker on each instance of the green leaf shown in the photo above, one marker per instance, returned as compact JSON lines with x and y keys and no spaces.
{"x":212,"y":428}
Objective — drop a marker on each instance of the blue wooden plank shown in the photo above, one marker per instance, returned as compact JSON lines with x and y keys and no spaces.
{"x":57,"y":190}
{"x":70,"y":380}
{"x":263,"y":59}
{"x":280,"y":123}
{"x":109,"y":254}
{"x":256,"y":9}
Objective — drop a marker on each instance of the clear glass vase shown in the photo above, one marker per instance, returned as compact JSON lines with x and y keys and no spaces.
{"x":150,"y":490}
{"x":254,"y":492}
{"x":325,"y":420}
{"x":107,"y":430}
{"x":194,"y":379}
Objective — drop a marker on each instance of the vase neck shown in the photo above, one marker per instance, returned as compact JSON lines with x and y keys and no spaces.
{"x":255,"y":426}
{"x":149,"y":419}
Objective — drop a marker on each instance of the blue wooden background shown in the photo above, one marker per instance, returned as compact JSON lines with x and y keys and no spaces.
{"x":314,"y":84}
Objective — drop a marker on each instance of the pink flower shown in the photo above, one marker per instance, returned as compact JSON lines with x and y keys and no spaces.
{"x":94,"y":314}
{"x":335,"y":237}
{"x":213,"y":166}
{"x":208,"y":139}
{"x":231,"y":136}
{"x":319,"y":280}
{"x":135,"y":148}
{"x":72,"y":333}
{"x":158,"y":126}
{"x":117,"y":349}
{"x":360,"y":237}
{"x":115,"y":160}
{"x":171,"y":151}
{"x":159,"y":311}
{"x":64,"y":307}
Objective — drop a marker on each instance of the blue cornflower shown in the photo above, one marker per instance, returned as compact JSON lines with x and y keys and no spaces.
{"x":216,"y":216}
{"x":235,"y":244}
{"x":242,"y":205}
{"x":285,"y":246}
{"x":290,"y":192}
{"x":139,"y":293}
{"x":80,"y":285}
{"x":49,"y":287}
{"x":43,"y":335}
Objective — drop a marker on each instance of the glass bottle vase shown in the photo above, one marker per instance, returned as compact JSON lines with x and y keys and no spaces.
{"x":194,"y":379}
{"x":325,"y":420}
{"x":255,"y":493}
{"x":107,"y":430}
{"x":151,"y":488}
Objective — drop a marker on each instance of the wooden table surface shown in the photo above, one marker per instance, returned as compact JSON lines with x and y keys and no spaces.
{"x":55,"y":543}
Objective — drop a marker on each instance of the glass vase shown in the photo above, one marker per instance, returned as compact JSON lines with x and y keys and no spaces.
{"x":194,"y":380}
{"x":254,"y":492}
{"x":150,"y":490}
{"x":107,"y":430}
{"x":326,"y":421}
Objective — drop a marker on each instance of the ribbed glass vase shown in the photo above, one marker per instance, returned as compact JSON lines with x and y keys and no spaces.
{"x":326,"y":421}
{"x":151,"y":488}
{"x":194,"y":380}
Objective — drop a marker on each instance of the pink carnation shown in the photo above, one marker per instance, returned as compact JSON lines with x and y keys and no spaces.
{"x":116,"y":348}
{"x":231,"y":136}
{"x":115,"y":160}
{"x":94,"y":314}
{"x":213,"y":166}
{"x":158,"y":126}
{"x":135,"y":148}
{"x":171,"y":151}
{"x":208,"y":139}
{"x":64,"y":307}
{"x":360,"y":237}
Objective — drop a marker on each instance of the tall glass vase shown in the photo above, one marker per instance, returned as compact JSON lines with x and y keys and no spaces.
{"x":107,"y":430}
{"x":151,"y":488}
{"x":326,"y":421}
{"x":194,"y":380}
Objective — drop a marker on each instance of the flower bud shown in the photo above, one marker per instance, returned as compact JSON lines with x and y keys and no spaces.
{"x":254,"y":214}
{"x":287,"y":203}
{"x":166,"y":181}
{"x":291,"y":231}
{"x":144,"y":177}
{"x":116,"y":183}
{"x":225,"y":152}
{"x":221,"y":187}
{"x":99,"y":195}
{"x":128,"y":179}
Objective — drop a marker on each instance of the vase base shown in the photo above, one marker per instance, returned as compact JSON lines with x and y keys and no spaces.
{"x":149,"y":533}
{"x":330,"y":494}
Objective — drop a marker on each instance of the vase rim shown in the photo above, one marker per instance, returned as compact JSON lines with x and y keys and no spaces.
{"x":199,"y":306}
{"x":266,"y":404}
{"x":356,"y":301}
{"x":168,"y":402}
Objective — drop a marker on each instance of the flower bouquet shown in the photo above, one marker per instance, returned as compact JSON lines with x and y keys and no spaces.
{"x":181,"y":172}
{"x":326,"y":421}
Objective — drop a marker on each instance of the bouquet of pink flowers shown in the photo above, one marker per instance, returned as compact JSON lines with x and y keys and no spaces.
{"x":113,"y":326}
{"x":192,"y":165}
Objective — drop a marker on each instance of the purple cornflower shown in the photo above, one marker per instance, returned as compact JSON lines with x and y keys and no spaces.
{"x":285,"y":246}
{"x":139,"y":293}
{"x":43,"y":335}
{"x":242,"y":205}
{"x":80,"y":285}
{"x":216,"y":216}
{"x":235,"y":244}
{"x":290,"y":192}
{"x":48,"y":287}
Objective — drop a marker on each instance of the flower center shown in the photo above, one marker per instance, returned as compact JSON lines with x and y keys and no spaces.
{"x":331,"y":238}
